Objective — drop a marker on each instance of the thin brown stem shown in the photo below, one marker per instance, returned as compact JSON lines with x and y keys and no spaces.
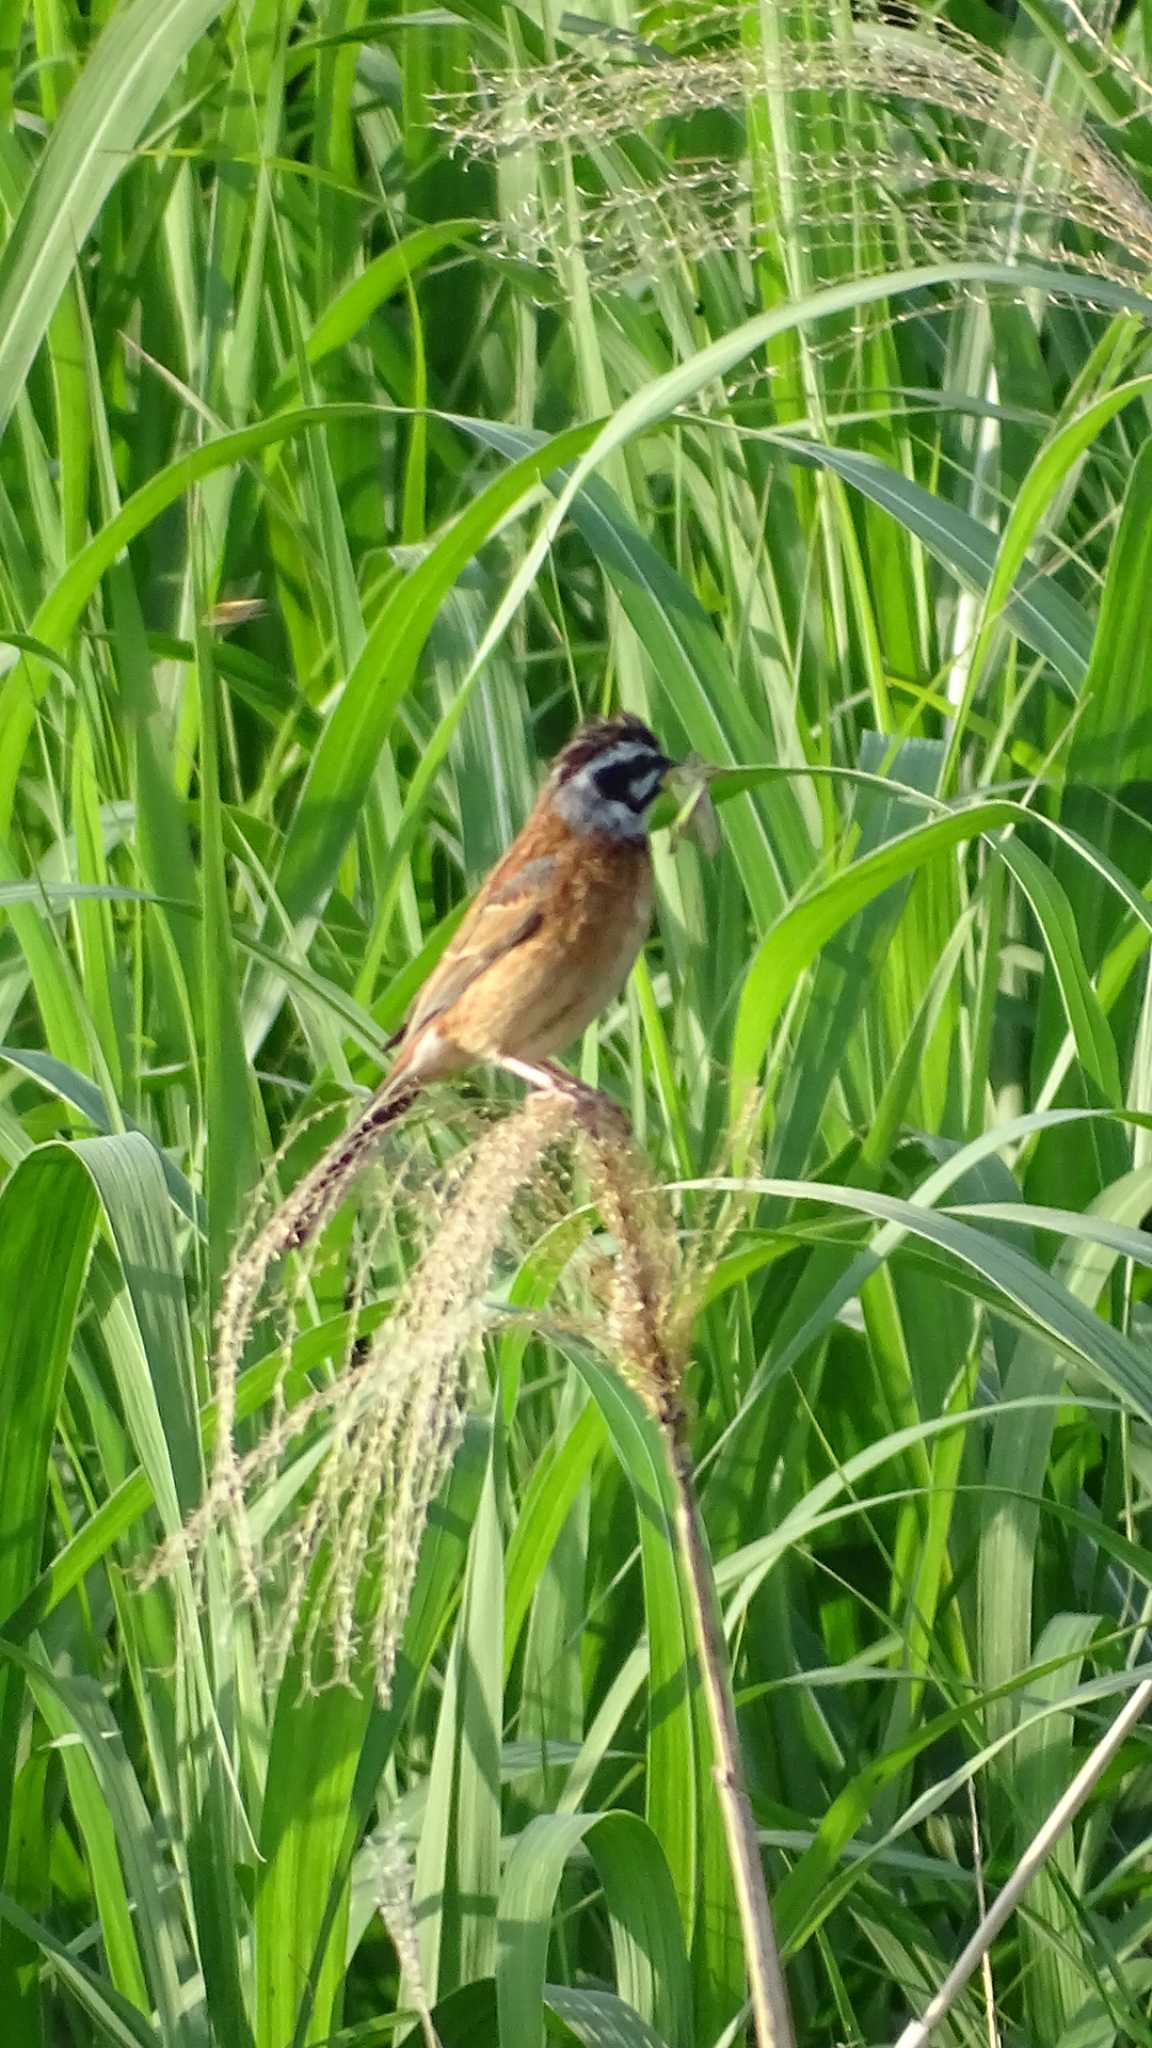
{"x":917,"y":2032}
{"x":653,"y":1356}
{"x":771,"y":2012}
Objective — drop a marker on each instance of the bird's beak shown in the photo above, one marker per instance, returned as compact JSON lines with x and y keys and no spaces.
{"x":687,"y":781}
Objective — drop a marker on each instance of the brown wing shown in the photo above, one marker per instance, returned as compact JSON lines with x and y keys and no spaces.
{"x":503,"y":916}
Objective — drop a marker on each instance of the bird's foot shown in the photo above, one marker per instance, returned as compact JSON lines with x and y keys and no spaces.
{"x":592,"y":1104}
{"x":543,"y":1075}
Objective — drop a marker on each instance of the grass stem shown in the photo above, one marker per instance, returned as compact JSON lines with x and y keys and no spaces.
{"x":917,"y":2032}
{"x":771,"y":2012}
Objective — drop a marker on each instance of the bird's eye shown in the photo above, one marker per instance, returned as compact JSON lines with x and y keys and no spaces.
{"x":633,"y":781}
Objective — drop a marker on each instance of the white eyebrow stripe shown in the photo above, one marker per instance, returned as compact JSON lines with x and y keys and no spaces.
{"x":614,"y":756}
{"x":617,"y":755}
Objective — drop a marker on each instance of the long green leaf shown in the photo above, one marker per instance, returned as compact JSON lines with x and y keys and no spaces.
{"x":125,"y":78}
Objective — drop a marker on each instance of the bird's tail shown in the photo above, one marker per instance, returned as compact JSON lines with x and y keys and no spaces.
{"x":301,"y":1214}
{"x":314,"y":1198}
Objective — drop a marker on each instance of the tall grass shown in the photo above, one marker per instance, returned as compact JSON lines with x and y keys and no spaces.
{"x":381,"y":390}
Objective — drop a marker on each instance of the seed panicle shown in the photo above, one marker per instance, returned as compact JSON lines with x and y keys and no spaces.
{"x":913,"y":142}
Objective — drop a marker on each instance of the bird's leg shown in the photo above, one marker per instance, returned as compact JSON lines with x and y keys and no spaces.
{"x":594,"y":1108}
{"x":543,"y":1075}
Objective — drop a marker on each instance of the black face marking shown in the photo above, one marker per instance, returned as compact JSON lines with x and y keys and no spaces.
{"x":631,"y":779}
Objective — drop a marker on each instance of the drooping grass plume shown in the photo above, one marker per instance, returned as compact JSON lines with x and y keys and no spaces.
{"x":914,"y":142}
{"x":382,"y":1433}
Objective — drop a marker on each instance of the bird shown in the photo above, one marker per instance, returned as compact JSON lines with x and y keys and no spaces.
{"x":547,"y":943}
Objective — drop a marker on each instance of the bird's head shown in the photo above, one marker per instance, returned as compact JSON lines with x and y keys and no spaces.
{"x":608,"y":776}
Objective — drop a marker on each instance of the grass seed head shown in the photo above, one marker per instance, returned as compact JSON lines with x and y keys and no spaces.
{"x":327,"y":1509}
{"x":911,"y":141}
{"x":324,"y":1513}
{"x":647,"y":1326}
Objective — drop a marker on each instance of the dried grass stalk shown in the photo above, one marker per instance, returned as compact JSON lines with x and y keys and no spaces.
{"x":648,"y":1336}
{"x":383,"y":1434}
{"x":381,"y":1437}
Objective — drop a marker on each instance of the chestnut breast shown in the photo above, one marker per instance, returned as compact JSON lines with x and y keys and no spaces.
{"x":590,"y":917}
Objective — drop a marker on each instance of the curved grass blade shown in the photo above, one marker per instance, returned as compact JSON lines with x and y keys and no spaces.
{"x":647,"y":1941}
{"x":48,"y":1212}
